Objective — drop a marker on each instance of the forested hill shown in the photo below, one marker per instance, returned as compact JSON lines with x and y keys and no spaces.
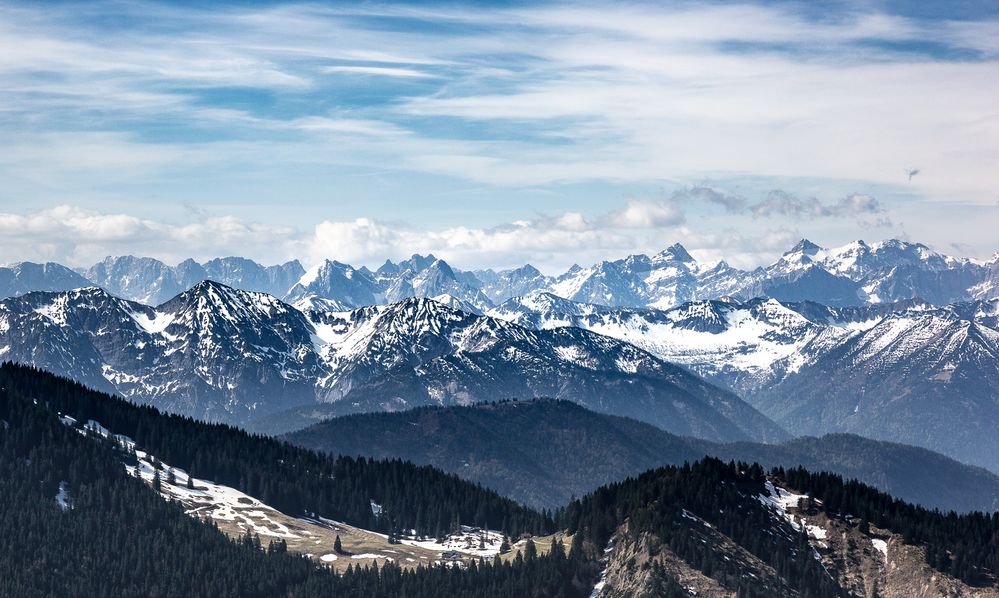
{"x":542,"y":452}
{"x":291,"y":479}
{"x":76,"y":524}
{"x":730,"y":529}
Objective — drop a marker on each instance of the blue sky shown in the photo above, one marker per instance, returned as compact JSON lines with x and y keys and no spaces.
{"x":494,"y":133}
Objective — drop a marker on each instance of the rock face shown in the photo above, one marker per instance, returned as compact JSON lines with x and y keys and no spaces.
{"x":222,"y":354}
{"x":869,"y":562}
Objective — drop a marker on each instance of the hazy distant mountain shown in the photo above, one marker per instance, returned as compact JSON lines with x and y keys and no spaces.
{"x":248,"y":275}
{"x":988,"y":288}
{"x":152,"y":282}
{"x":502,"y":285}
{"x":417,"y":278}
{"x":542,"y":452}
{"x":141,"y":279}
{"x":25,"y":277}
{"x":854,"y":274}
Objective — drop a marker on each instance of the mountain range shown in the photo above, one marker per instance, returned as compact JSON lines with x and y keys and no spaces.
{"x":223,"y":354}
{"x":855,"y":274}
{"x":908,"y":372}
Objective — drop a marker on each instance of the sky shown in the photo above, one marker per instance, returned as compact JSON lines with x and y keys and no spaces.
{"x":495,"y":133}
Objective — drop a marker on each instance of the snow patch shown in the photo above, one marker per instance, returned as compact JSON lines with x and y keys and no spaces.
{"x":881,"y":546}
{"x":470,"y":540}
{"x":62,"y":498}
{"x":371,"y":555}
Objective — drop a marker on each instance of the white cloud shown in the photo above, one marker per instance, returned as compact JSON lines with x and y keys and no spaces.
{"x":646,"y":214}
{"x":79,"y":237}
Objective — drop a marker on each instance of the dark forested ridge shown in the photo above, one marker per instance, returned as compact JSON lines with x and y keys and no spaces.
{"x":542,"y":452}
{"x":112,"y":535}
{"x":660,"y":503}
{"x":290,"y":479}
{"x":116,"y":537}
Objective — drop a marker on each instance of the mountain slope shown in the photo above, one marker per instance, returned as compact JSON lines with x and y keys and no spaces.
{"x":212,"y":352}
{"x":929,"y":379}
{"x":87,"y":528}
{"x":721,"y":529}
{"x":89,"y":502}
{"x":88,"y":506}
{"x":906,"y":372}
{"x":419,"y":352}
{"x":542,"y":452}
{"x":744,"y":345}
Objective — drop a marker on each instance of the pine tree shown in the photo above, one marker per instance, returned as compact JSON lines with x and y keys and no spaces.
{"x":530,"y":550}
{"x":505,"y":545}
{"x":337,"y":546}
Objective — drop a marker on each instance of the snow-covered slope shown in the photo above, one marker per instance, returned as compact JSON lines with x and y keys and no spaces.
{"x":742,"y":345}
{"x":237,"y":513}
{"x":928,"y":378}
{"x":213,"y":352}
{"x":221,"y":354}
{"x":419,"y":352}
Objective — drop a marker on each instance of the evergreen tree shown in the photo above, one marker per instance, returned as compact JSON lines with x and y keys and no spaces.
{"x":530,"y":550}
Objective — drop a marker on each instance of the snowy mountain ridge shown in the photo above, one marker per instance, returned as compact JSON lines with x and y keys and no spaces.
{"x":222,"y":354}
{"x":857,"y":273}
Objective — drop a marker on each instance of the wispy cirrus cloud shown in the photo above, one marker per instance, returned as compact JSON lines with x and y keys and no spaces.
{"x":381,"y":71}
